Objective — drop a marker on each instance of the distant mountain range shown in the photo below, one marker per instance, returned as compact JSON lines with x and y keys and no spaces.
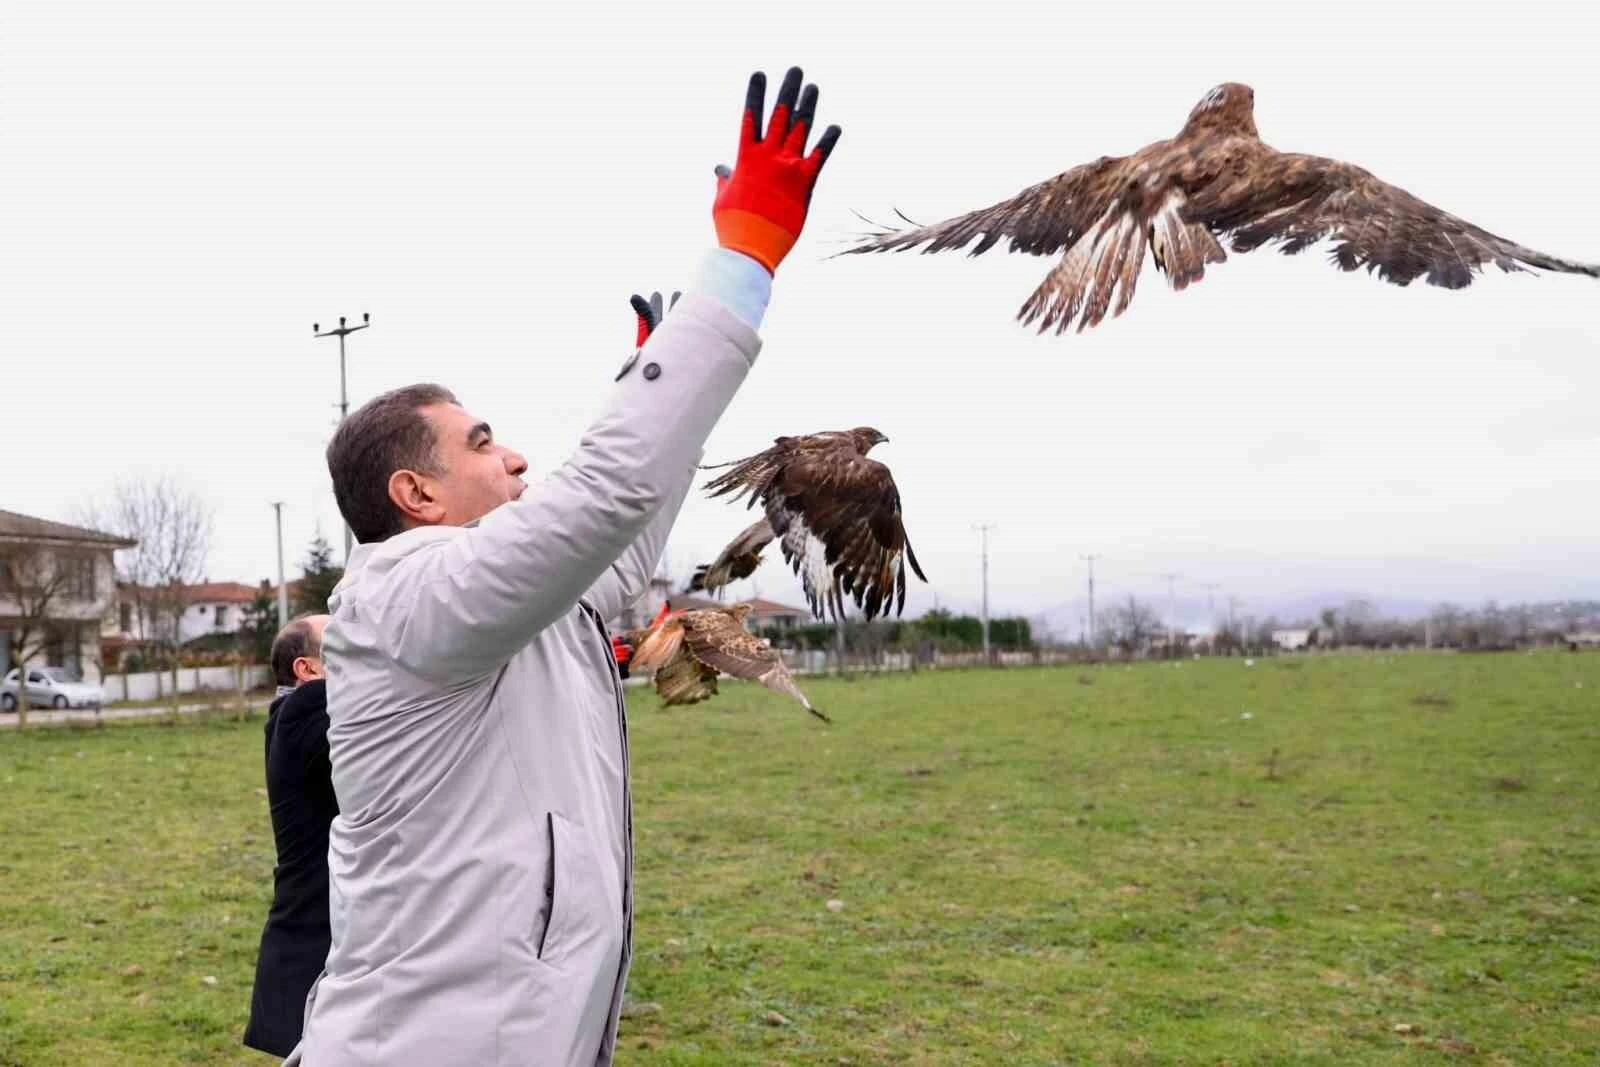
{"x":1192,"y":613}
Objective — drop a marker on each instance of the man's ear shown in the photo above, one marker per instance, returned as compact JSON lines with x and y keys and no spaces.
{"x":303,"y":670}
{"x":413,"y":494}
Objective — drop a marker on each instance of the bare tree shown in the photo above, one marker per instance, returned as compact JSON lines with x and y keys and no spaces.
{"x":1130,"y":626}
{"x":1357,"y":622}
{"x":173,"y":527}
{"x":1445,"y":621}
{"x":36,"y":580}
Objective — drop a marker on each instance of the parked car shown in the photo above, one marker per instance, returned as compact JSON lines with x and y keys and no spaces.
{"x":51,"y":687}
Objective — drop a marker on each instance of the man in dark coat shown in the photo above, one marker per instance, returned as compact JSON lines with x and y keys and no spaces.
{"x":294,"y":942}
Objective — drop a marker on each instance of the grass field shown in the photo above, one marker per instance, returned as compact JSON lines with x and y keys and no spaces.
{"x":1330,"y":860}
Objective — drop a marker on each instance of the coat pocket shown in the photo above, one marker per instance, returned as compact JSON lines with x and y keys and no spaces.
{"x":571,"y":889}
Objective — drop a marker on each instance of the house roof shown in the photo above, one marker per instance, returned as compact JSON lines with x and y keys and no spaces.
{"x":219,"y":592}
{"x":14,"y":526}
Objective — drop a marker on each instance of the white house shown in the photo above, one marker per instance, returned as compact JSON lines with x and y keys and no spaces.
{"x":209,"y":608}
{"x":769,"y":613}
{"x":1292,"y":639}
{"x":57,"y":584}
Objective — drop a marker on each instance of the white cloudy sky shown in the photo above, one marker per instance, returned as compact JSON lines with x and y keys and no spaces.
{"x":188,"y":186}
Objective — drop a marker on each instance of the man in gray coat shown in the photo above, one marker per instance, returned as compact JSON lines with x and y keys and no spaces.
{"x":481,"y":865}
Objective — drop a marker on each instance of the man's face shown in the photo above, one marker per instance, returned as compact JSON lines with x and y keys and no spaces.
{"x":309,"y":668}
{"x":477,"y":474}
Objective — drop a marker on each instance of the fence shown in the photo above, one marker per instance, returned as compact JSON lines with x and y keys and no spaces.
{"x":156,"y":685}
{"x":826,"y":661}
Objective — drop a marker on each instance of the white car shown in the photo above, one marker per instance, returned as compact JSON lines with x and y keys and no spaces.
{"x":51,"y":687}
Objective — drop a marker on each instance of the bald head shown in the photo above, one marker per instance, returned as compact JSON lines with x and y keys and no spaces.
{"x":297,"y":650}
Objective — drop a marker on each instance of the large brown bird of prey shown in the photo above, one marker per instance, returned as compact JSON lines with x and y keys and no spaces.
{"x":1215,"y":179}
{"x":738,"y":560}
{"x":835,"y":514}
{"x":688,"y":649}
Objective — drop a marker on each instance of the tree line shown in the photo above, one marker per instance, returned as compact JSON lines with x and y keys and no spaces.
{"x":1134,"y":626}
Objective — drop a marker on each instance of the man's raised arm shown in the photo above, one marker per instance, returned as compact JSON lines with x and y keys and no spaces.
{"x":459,"y":607}
{"x":742,"y":285}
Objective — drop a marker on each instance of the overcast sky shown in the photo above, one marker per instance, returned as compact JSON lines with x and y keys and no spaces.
{"x":189,"y":186}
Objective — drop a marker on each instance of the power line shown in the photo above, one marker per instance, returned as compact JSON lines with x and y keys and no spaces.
{"x":983,"y":529}
{"x":1172,"y":640}
{"x":344,"y":399}
{"x":283,"y":591}
{"x":1091,"y":558}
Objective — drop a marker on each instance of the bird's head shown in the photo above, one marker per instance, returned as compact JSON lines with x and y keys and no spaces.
{"x":1229,"y":107}
{"x":739,"y":612}
{"x":865,"y":437}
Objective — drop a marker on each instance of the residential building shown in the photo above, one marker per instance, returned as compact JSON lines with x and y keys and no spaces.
{"x":1293,"y":638}
{"x":208,"y":608}
{"x":770,"y":615}
{"x":57,"y":585}
{"x":764,"y":614}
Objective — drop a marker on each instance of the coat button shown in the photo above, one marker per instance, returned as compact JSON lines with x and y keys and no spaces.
{"x":652,"y":371}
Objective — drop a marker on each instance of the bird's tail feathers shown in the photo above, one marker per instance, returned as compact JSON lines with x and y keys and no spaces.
{"x":1182,"y":249}
{"x":1105,"y":261}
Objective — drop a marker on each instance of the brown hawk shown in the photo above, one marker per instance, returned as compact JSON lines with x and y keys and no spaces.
{"x":1215,"y":180}
{"x":835,"y":514}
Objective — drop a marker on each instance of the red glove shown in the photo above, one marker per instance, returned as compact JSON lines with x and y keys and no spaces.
{"x":761,"y":204}
{"x":650,"y":313}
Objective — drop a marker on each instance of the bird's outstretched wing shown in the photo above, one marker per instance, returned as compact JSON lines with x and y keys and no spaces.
{"x":1296,"y":200}
{"x":847,"y":507}
{"x":662,"y":641}
{"x":1041,"y":220}
{"x":1100,"y":216}
{"x":738,"y":560}
{"x":685,"y":680}
{"x":678,"y":676}
{"x":720,"y":641}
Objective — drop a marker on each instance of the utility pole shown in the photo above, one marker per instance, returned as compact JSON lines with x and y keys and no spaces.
{"x":283,"y":590}
{"x":1172,"y":638}
{"x":344,"y":398}
{"x":983,"y":529}
{"x":1091,"y":560}
{"x":1211,"y":604}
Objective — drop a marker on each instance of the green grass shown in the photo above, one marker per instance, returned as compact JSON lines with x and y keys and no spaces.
{"x":1098,"y":865}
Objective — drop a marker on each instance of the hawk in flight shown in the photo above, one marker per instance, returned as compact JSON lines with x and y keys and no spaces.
{"x":1215,"y":180}
{"x":688,"y":649}
{"x":738,"y":560}
{"x":835,"y":514}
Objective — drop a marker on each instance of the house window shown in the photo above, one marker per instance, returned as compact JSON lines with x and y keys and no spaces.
{"x":221,"y":617}
{"x":80,"y":576}
{"x":7,"y":585}
{"x":126,"y":612}
{"x":66,"y":650}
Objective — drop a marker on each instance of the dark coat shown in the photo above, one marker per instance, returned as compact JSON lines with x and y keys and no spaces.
{"x":294,"y":942}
